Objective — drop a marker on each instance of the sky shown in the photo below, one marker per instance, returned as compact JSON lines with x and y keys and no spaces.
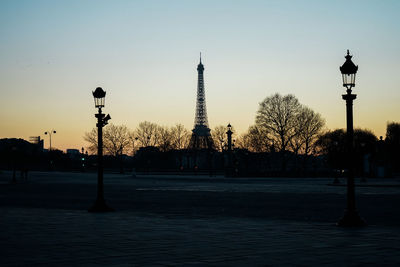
{"x":144,"y":54}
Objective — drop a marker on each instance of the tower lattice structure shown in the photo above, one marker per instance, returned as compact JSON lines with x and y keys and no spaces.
{"x":201,"y":136}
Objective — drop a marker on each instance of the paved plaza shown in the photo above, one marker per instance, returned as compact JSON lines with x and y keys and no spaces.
{"x":175,"y":220}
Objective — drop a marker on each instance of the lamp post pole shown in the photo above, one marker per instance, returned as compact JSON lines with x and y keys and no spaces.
{"x":100,"y":170}
{"x":133,"y":145}
{"x":100,"y":204}
{"x":351,"y":202}
{"x":83,"y":159}
{"x":133,"y":156}
{"x":350,"y":217}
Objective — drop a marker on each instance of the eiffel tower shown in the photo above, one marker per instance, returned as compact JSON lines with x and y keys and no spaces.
{"x":201,"y":136}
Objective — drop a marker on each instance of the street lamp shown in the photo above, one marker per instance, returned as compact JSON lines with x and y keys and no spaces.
{"x":49,"y":133}
{"x":229,"y":133}
{"x":102,"y":120}
{"x":350,"y":217}
{"x":134,"y":139}
{"x":83,"y":159}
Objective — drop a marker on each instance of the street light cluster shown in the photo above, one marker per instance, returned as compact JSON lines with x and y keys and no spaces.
{"x":50,"y":133}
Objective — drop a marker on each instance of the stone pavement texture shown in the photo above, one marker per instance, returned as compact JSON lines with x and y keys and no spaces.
{"x":194,"y":221}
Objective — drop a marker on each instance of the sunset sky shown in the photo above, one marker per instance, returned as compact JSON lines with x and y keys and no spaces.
{"x":145,"y":54}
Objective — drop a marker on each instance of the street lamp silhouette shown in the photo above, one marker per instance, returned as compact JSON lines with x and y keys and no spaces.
{"x":134,"y":139}
{"x":229,"y":133}
{"x":83,"y":159}
{"x":350,"y":217}
{"x":102,"y":120}
{"x":49,"y":133}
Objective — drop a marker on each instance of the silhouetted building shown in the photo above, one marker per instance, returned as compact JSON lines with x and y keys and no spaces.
{"x":73,"y":153}
{"x":37,"y":141}
{"x":201,"y":136}
{"x":18,"y":154}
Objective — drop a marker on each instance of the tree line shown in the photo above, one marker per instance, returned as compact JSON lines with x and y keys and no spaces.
{"x":119,"y":139}
{"x":282,"y":124}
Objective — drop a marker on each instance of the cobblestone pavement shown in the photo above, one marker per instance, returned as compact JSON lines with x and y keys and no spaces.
{"x":194,"y":221}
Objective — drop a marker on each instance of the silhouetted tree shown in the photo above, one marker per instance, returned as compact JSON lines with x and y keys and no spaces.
{"x":116,"y":139}
{"x":180,"y":137}
{"x":393,"y":133}
{"x":333,"y":145}
{"x":147,"y":134}
{"x":309,"y":125}
{"x":392,"y":141}
{"x":277,"y":115}
{"x":164,"y":138}
{"x":91,"y":139}
{"x":256,"y":139}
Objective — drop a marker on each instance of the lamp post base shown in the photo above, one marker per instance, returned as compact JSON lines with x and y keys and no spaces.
{"x":351,"y":219}
{"x":100,"y":206}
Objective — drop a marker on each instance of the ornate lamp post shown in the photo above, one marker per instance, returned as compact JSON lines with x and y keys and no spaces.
{"x":49,"y":133}
{"x":229,"y":133}
{"x":102,"y":120}
{"x":133,"y":145}
{"x":350,"y":217}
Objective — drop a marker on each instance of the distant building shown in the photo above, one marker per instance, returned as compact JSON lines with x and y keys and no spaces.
{"x":17,"y":153}
{"x":10,"y":145}
{"x":73,"y":153}
{"x":37,"y":141}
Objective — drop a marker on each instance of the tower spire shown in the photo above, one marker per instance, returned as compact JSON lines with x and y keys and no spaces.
{"x":200,"y":57}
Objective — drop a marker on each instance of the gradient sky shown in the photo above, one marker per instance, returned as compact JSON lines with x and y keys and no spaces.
{"x":145,"y":53}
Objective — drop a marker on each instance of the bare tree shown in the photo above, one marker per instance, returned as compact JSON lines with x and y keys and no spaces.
{"x":308,"y":128}
{"x":116,"y":139}
{"x":91,"y":139}
{"x":277,"y":115}
{"x":242,"y":141}
{"x":310,"y":125}
{"x":180,"y":137}
{"x":256,"y":139}
{"x":147,"y":133}
{"x":164,"y":138}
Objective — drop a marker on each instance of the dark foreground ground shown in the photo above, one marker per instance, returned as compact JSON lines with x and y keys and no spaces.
{"x":194,"y":221}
